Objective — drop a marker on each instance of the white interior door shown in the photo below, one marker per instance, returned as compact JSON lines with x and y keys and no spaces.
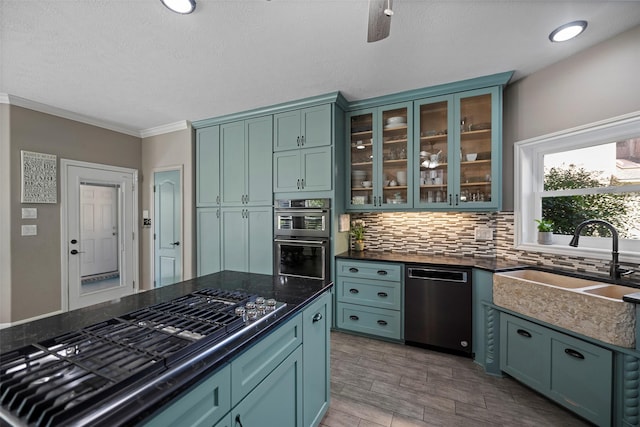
{"x":168,"y":228}
{"x":100,"y":243}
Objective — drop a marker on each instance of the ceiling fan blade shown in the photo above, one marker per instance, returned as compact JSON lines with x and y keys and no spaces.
{"x":379,"y":22}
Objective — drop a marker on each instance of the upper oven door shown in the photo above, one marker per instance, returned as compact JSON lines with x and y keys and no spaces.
{"x":302,"y":222}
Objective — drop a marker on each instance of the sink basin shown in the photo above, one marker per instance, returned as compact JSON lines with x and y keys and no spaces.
{"x":589,"y":307}
{"x":553,"y":279}
{"x":612,"y":291}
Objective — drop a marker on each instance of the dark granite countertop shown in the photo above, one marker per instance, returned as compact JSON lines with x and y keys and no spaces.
{"x":144,"y":399}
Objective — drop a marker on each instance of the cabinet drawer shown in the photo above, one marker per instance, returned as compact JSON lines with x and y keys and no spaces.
{"x":524,"y":351}
{"x":251,"y":367}
{"x":581,"y":377}
{"x":202,"y":406}
{"x":369,"y":320}
{"x":370,"y":270}
{"x":375,"y":293}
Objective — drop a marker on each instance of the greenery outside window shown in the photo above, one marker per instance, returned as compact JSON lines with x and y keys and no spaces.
{"x":590,"y":172}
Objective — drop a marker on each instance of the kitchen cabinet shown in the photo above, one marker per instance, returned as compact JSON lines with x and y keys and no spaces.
{"x":369,"y":298}
{"x":458,"y":151}
{"x":309,"y":169}
{"x":303,"y":128}
{"x":246,"y":239}
{"x":245,"y":168}
{"x":316,"y":333}
{"x":379,"y":154}
{"x":203,"y":405}
{"x":207,"y":166}
{"x":208,"y":240}
{"x":573,"y":372}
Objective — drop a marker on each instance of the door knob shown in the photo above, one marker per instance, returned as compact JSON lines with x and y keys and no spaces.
{"x":75,"y":252}
{"x":175,"y":244}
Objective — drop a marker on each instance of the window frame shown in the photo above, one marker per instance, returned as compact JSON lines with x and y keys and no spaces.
{"x":529,"y":184}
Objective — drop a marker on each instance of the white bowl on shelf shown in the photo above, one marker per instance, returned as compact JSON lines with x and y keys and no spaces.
{"x":471,"y":157}
{"x":396,"y":120}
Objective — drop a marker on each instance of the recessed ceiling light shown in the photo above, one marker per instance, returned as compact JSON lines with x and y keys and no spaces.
{"x":567,"y":31}
{"x":180,"y":6}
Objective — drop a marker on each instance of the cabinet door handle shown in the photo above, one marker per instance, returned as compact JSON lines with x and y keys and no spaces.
{"x":238,"y":420}
{"x":456,"y":200}
{"x":217,"y":213}
{"x":298,"y":141}
{"x":302,"y":140}
{"x":382,"y":272}
{"x":302,"y":183}
{"x":298,"y":183}
{"x":353,"y":270}
{"x":317,"y":317}
{"x":352,"y":317}
{"x":524,"y":333}
{"x":382,"y":323}
{"x":354,"y":291}
{"x":382,"y":294}
{"x":217,"y":199}
{"x":574,"y":353}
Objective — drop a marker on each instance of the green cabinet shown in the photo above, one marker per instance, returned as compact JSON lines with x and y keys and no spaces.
{"x":202,"y":406}
{"x":207,"y":166}
{"x":303,"y":128}
{"x":457,"y":152}
{"x":245,"y":147}
{"x":246,"y":239}
{"x":308,"y":169}
{"x":316,"y":321}
{"x":573,"y":372}
{"x":208,"y":240}
{"x":369,"y":298}
{"x":379,"y":154}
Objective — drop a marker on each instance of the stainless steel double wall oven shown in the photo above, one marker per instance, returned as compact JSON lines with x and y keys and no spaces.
{"x":302,"y":233}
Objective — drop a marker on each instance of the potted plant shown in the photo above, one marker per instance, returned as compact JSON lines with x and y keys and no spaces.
{"x":545,"y":231}
{"x":357,"y":231}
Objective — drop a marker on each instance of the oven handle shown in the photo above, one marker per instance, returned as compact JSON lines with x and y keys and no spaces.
{"x":304,"y":242}
{"x":290,"y":212}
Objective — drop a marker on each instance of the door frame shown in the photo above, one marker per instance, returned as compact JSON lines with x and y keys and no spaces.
{"x":64,"y":232}
{"x":152,"y":214}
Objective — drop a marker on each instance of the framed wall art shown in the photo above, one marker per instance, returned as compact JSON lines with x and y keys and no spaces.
{"x":39,"y":178}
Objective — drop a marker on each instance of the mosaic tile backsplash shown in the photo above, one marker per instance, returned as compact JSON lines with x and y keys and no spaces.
{"x":453,"y":233}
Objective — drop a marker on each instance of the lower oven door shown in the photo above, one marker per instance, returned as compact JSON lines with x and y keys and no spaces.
{"x":301,"y":257}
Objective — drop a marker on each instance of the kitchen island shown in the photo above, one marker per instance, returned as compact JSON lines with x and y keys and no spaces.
{"x":244,"y":360}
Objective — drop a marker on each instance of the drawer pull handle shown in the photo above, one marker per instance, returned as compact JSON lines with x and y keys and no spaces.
{"x":382,"y":272}
{"x":354,"y":291}
{"x":573,"y":353}
{"x":353,"y":270}
{"x":238,"y":420}
{"x":524,"y":333}
{"x":382,"y":323}
{"x":382,"y":294}
{"x":352,"y":317}
{"x":317,"y":317}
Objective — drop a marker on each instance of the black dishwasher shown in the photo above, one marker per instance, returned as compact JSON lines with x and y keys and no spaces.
{"x":437,"y":308}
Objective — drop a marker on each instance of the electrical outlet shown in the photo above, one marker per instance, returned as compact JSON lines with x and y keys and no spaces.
{"x":483,"y":233}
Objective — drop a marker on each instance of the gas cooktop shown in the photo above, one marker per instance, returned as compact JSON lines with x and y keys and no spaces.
{"x":46,"y":383}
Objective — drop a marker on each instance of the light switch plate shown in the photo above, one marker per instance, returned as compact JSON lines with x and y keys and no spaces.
{"x":29,"y":213}
{"x":483,"y":233}
{"x":29,"y":230}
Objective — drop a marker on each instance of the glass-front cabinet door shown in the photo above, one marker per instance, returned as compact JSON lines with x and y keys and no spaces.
{"x":379,"y":156}
{"x":431,"y":171}
{"x":478,"y":118}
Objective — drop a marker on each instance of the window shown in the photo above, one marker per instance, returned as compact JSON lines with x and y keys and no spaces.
{"x":583,"y":173}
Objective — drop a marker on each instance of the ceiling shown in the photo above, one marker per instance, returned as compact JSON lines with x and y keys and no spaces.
{"x":134,"y":65}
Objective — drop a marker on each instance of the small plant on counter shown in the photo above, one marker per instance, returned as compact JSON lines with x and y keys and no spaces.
{"x":544,"y":225}
{"x":357,"y":232}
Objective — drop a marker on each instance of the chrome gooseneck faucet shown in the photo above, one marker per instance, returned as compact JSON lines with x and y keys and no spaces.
{"x":614,"y":270}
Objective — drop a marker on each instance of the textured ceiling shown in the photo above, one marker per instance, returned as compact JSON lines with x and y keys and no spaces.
{"x":136,"y":65}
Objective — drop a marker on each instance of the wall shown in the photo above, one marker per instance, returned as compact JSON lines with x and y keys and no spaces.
{"x":5,"y":225}
{"x":35,"y":261}
{"x":170,"y":150}
{"x":596,"y":84}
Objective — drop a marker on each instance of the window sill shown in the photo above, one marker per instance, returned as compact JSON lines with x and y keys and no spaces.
{"x":563,"y":249}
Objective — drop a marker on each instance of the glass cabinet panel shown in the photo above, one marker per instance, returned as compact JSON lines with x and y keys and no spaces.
{"x":395,"y":176}
{"x":361,"y":157}
{"x":476,"y":155}
{"x":433,"y":153}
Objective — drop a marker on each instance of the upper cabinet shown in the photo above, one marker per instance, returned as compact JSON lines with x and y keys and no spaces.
{"x":457,"y":151}
{"x":207,"y":170}
{"x":440,"y":149}
{"x":304,"y":128}
{"x":379,"y":153}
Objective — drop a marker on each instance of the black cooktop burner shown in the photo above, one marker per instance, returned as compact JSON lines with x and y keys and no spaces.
{"x":41,"y":384}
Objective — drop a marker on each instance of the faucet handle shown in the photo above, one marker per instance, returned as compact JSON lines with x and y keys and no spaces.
{"x":626,"y":272}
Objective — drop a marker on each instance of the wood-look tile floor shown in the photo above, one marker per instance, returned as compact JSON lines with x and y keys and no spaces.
{"x":376,"y":383}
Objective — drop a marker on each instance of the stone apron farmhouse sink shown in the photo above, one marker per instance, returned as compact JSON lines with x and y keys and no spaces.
{"x":588,"y":307}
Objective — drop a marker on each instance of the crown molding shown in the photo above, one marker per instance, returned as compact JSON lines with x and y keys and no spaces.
{"x":162,"y":129}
